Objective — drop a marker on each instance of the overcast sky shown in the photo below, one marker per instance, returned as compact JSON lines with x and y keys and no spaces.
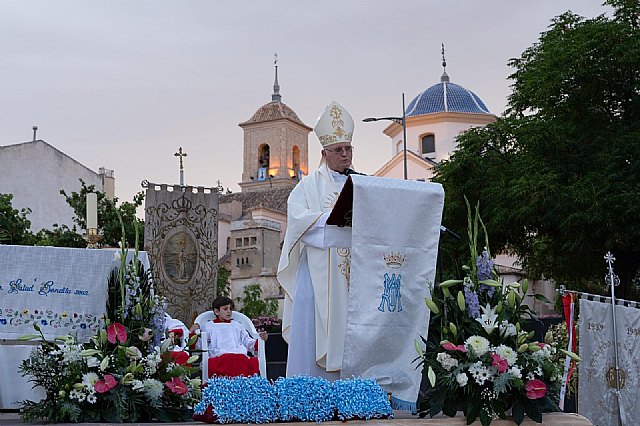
{"x":123,"y":84}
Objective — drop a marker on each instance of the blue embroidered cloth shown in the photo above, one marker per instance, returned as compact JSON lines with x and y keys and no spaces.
{"x":63,"y":290}
{"x":395,"y":234}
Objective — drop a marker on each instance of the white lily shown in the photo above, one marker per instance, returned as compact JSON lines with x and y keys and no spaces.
{"x":488,"y":318}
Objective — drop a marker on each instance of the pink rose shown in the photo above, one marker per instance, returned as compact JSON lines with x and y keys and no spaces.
{"x":499,"y":363}
{"x":535,"y":389}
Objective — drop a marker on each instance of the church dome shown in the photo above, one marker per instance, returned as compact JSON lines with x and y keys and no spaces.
{"x":446,"y":97}
{"x":275,"y":110}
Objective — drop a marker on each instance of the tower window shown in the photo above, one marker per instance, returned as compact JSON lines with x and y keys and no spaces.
{"x":428,"y":148}
{"x":263,"y":156}
{"x":296,"y":157}
{"x":238,"y":242}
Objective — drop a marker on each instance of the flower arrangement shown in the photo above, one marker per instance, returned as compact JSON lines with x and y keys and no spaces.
{"x":300,"y":398}
{"x":267,"y":323}
{"x":478,"y":359}
{"x":558,"y":337}
{"x":124,"y":373}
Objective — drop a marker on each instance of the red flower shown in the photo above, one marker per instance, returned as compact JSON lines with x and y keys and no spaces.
{"x":116,"y":330}
{"x":108,"y":384}
{"x":176,"y":386}
{"x":451,"y":347}
{"x":535,"y":389}
{"x":499,"y":363}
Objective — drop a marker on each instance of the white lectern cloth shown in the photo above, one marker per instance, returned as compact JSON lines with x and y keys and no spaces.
{"x":395,"y":234}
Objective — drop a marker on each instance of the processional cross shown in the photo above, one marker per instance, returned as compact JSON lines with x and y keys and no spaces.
{"x":181,"y":154}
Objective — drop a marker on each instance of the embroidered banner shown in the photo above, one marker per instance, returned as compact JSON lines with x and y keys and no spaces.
{"x":597,"y":383}
{"x":181,"y":238}
{"x":395,"y":234}
{"x":63,"y":290}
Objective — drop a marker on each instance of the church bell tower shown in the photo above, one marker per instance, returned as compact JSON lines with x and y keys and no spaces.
{"x":276,"y":146}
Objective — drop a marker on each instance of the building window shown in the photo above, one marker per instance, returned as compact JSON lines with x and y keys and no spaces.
{"x":428,"y":148}
{"x":263,"y":156}
{"x":246,"y":241}
{"x":296,"y":157}
{"x":254,"y":241}
{"x":238,"y":242}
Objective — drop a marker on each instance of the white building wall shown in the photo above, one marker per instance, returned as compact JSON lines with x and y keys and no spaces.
{"x":445,"y":134}
{"x":35,"y":172}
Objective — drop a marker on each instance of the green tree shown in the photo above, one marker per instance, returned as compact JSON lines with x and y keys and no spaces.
{"x":60,"y":236}
{"x":108,"y":223}
{"x":253,"y":305}
{"x":14,"y":224}
{"x":223,"y":285}
{"x":558,"y":176}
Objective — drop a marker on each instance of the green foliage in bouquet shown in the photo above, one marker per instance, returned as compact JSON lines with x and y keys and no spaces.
{"x":478,"y":359}
{"x":124,"y":373}
{"x":558,"y":337}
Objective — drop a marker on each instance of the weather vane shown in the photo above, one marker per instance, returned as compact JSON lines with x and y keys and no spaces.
{"x":275,"y":58}
{"x":444,"y":61}
{"x":181,"y":154}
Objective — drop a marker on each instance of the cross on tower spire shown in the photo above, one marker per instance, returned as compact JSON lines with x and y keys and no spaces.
{"x":276,"y":97}
{"x":181,"y":154}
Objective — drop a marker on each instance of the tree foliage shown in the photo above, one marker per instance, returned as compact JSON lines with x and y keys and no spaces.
{"x":14,"y":223}
{"x":108,"y":223}
{"x":60,"y":236}
{"x":558,"y":175}
{"x":253,"y":305}
{"x":223,"y":286}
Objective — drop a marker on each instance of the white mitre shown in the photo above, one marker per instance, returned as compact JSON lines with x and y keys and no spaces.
{"x":335,"y":125}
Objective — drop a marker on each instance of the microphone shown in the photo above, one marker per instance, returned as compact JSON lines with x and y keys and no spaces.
{"x":445,"y":230}
{"x":349,"y":171}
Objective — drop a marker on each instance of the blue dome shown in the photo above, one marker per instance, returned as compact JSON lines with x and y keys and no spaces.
{"x":446,"y":97}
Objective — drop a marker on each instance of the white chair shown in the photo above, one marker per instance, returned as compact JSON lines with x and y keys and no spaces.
{"x":202,"y":319}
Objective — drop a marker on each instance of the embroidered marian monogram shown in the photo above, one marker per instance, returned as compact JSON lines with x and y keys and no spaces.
{"x":391,"y":297}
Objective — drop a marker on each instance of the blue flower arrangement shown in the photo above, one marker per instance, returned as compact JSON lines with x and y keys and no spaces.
{"x":301,"y":398}
{"x":305,"y":399}
{"x":240,"y":400}
{"x":361,"y":399}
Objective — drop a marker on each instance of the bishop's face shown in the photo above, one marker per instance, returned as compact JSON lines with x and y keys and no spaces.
{"x":338,"y":156}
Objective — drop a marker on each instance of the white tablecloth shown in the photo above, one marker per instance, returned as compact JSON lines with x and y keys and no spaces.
{"x":63,"y":290}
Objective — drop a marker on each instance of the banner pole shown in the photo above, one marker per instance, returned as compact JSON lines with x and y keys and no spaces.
{"x":613,"y":280}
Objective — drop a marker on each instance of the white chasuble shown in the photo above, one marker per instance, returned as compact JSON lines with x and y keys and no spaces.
{"x":327,"y":267}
